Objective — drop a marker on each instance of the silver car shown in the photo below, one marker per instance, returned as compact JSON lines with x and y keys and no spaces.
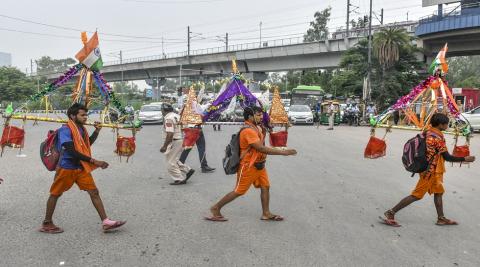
{"x":300,"y":114}
{"x":151,"y":114}
{"x":473,"y":116}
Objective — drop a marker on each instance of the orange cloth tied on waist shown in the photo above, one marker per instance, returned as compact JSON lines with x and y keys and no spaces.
{"x":82,"y":145}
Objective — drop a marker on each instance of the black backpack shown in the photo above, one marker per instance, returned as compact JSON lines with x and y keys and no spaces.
{"x":232,"y":157}
{"x":414,"y":156}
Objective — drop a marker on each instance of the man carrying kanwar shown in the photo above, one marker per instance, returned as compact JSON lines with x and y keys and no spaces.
{"x":431,"y":181}
{"x":75,"y":166}
{"x":251,"y":170}
{"x":172,"y":147}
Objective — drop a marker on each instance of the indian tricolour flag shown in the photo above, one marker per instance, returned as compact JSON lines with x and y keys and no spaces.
{"x":90,"y":55}
{"x":440,"y":62}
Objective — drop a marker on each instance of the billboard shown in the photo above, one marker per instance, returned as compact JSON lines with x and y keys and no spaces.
{"x":426,"y":3}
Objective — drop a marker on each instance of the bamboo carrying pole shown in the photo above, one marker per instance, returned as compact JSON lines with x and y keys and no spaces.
{"x":34,"y":118}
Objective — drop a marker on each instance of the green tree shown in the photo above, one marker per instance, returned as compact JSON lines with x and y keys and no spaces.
{"x":47,"y":65}
{"x":386,"y":87}
{"x":387,"y":43}
{"x":318,"y":27}
{"x":464,"y":72}
{"x":15,"y":86}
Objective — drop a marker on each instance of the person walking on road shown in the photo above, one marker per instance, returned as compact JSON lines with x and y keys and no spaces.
{"x":331,"y":115}
{"x":172,"y":147}
{"x":431,"y":181}
{"x":253,"y":154}
{"x":75,"y":166}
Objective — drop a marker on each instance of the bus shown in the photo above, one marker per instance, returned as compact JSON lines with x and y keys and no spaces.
{"x":307,"y":95}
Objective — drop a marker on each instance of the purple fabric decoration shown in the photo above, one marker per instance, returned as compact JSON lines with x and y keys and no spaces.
{"x":237,"y":89}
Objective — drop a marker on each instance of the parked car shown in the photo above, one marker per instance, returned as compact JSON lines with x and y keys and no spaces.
{"x":473,"y":116}
{"x":151,"y":114}
{"x":300,"y":114}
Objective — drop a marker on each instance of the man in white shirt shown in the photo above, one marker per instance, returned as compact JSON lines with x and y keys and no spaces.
{"x":172,"y":147}
{"x":331,"y":115}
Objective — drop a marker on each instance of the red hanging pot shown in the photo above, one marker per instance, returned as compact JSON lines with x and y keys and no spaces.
{"x":190,"y":136}
{"x":279,"y":139}
{"x":461,"y":151}
{"x":13,"y":137}
{"x":125,"y":146}
{"x":376,"y":148}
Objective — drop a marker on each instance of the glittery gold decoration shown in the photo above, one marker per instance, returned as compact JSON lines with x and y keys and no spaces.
{"x":278,"y":115}
{"x":189,"y":116}
{"x":234,"y":66}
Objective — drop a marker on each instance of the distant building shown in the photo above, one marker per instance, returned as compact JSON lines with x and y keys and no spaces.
{"x":5,"y":59}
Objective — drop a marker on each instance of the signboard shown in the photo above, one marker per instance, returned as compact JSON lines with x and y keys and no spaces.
{"x":457,"y":91}
{"x":426,"y":3}
{"x":149,"y":92}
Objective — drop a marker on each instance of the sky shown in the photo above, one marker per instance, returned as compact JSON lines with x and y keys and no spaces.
{"x":137,"y":26}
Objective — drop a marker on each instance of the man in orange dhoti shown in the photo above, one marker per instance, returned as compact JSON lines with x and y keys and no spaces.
{"x":75,"y":166}
{"x":431,"y":181}
{"x":253,"y":155}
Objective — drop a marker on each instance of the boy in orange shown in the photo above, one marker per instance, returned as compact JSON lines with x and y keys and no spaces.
{"x":75,"y":166}
{"x":253,"y":154}
{"x":431,"y":181}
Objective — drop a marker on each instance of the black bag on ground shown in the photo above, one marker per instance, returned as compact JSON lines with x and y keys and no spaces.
{"x":414,"y":156}
{"x":232,"y":157}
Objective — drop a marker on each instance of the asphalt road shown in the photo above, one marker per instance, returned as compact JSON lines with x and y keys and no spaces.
{"x":330,"y":196}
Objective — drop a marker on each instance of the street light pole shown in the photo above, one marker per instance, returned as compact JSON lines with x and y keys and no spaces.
{"x":188,"y":41}
{"x":226,"y":42}
{"x":369,"y":53}
{"x":121,"y":65}
{"x":260,"y":34}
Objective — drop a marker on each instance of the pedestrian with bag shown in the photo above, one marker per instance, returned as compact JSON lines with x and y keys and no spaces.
{"x":431,"y":179}
{"x":249,"y":165}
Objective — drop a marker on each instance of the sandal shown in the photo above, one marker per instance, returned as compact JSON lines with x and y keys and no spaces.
{"x":50,"y":229}
{"x":442,"y":221}
{"x":215,"y":218}
{"x":113,"y":226}
{"x":275,"y":218}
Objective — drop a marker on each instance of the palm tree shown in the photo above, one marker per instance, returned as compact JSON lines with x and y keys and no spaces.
{"x":387,"y":43}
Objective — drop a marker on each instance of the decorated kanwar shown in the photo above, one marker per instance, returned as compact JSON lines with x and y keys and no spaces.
{"x":67,"y":150}
{"x":430,"y":109}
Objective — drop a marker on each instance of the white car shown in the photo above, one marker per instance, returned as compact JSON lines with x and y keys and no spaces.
{"x":473,"y":116}
{"x":300,"y":114}
{"x":151,"y":114}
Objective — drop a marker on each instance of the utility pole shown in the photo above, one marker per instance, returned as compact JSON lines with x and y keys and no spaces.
{"x":180,"y":77}
{"x":121,"y":64}
{"x":381,"y":16}
{"x":260,"y":34}
{"x":163,"y":49}
{"x":369,"y":52}
{"x":31,"y":67}
{"x":226,"y":42}
{"x":188,"y":40}
{"x":348,"y":18}
{"x":407,"y":15}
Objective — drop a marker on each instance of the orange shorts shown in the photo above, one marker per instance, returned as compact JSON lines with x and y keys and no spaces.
{"x":248,"y":176}
{"x":432,"y":185}
{"x":64,"y":180}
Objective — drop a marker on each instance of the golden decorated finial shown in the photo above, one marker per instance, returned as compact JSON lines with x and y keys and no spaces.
{"x":234,"y":66}
{"x":189,"y":114}
{"x":84,"y":38}
{"x":278,"y":115}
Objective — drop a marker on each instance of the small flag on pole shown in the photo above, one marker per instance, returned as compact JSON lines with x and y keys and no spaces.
{"x":439,"y":63}
{"x":90,"y":55}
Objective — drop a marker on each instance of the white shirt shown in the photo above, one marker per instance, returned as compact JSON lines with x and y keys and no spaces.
{"x":171,"y":125}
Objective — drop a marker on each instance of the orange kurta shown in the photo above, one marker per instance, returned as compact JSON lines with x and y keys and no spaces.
{"x":247,"y":173}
